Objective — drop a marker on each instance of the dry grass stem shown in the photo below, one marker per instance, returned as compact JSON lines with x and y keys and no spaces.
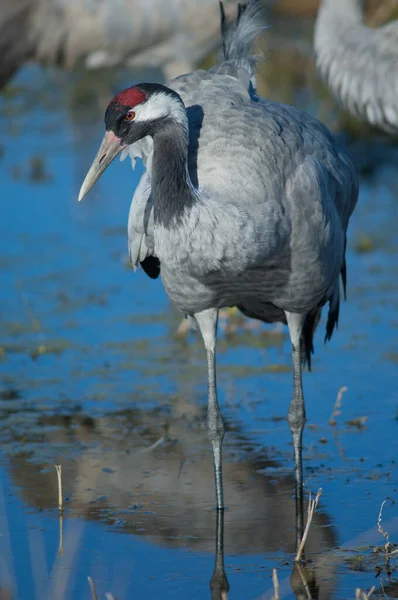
{"x":108,"y":595}
{"x":275,"y":582}
{"x":337,"y":405}
{"x":153,"y":446}
{"x":362,"y":595}
{"x":312,"y":504}
{"x":388,"y":545}
{"x":92,"y":588}
{"x":58,"y":468}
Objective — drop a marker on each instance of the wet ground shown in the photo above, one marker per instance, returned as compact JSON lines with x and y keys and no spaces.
{"x":93,"y":378}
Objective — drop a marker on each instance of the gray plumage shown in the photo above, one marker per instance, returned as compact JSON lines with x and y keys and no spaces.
{"x":359,"y":63}
{"x":173,"y":34}
{"x":244,"y":202}
{"x":281,"y":191}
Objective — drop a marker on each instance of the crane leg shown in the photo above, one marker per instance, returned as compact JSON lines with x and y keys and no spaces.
{"x":296,"y":415}
{"x":207,"y":322}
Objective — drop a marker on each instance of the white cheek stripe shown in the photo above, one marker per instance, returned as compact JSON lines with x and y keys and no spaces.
{"x":158,"y":106}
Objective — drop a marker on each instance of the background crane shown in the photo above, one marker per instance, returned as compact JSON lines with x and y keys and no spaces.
{"x":172,"y":35}
{"x":244,"y":202}
{"x":359,"y":63}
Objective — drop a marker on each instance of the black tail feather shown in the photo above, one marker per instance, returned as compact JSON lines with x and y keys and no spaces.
{"x":334,"y":303}
{"x":223,"y":26}
{"x":241,"y":10}
{"x":307,"y":336}
{"x":151,"y":266}
{"x":333,"y":319}
{"x":344,"y":272}
{"x":344,"y":278}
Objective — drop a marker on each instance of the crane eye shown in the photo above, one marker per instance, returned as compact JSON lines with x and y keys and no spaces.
{"x":130,"y":116}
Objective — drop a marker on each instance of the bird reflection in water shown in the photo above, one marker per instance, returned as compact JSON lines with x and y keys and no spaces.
{"x":116,"y":461}
{"x":219,"y":585}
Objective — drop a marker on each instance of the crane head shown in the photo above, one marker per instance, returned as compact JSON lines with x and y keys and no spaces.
{"x":131,"y":115}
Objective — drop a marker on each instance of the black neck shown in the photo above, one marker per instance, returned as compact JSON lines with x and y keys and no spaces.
{"x":172,"y":189}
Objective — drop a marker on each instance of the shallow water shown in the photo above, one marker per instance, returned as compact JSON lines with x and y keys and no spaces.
{"x":93,"y":378}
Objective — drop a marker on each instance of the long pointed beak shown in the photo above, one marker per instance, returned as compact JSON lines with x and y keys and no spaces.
{"x":110,"y":147}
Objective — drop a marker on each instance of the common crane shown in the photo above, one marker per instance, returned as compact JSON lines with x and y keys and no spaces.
{"x":170,"y":35}
{"x":244,"y":202}
{"x":359,"y":63}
